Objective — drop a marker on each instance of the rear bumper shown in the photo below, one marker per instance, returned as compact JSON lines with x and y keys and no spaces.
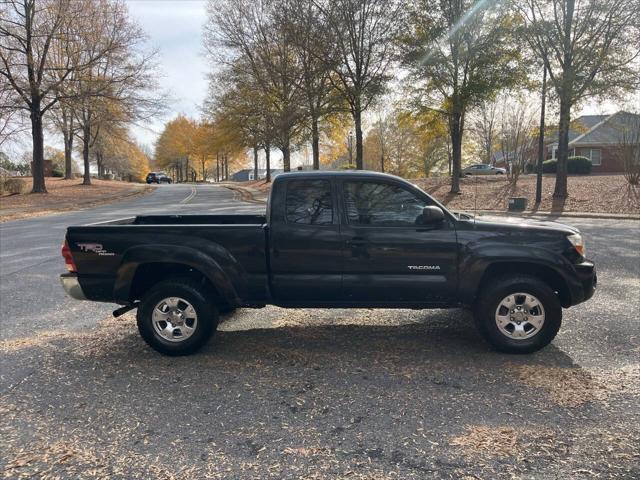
{"x":72,"y":286}
{"x":588,"y":278}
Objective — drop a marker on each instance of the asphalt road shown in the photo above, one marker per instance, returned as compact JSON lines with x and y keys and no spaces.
{"x":312,"y":393}
{"x":30,"y":261}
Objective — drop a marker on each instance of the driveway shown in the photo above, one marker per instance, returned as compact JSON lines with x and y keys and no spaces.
{"x":312,"y":393}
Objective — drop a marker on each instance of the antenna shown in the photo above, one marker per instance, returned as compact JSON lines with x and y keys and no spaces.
{"x":475,"y":199}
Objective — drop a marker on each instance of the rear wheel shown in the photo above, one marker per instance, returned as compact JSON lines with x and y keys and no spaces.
{"x":176,"y":317}
{"x":518,"y":314}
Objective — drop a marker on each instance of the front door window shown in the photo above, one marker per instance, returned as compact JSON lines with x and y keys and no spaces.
{"x":381,"y":204}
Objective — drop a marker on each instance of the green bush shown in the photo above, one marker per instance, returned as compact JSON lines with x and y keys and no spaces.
{"x":549,"y":166}
{"x":13,"y":186}
{"x":57,"y":172}
{"x":581,"y":165}
{"x":575,"y":165}
{"x":348,"y":166}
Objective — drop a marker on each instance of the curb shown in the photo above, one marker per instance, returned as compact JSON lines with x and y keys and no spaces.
{"x":249,"y":195}
{"x":246,"y":194}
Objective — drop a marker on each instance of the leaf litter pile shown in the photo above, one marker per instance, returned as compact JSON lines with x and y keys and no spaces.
{"x":302,"y":401}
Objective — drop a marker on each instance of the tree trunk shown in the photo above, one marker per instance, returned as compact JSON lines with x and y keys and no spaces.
{"x":255,"y":162}
{"x":455,"y":131}
{"x":315,"y":143}
{"x":267,"y":154}
{"x":226,"y":167}
{"x":67,"y":134}
{"x":37,"y":164}
{"x":86,"y":138}
{"x":68,"y":149}
{"x":357,"y":120}
{"x":382,"y":162}
{"x":217,"y":166}
{"x":204,"y":174}
{"x":560,"y":190}
{"x":541,"y":155}
{"x":286,"y":156}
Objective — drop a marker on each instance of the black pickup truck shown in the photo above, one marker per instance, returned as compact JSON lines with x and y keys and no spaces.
{"x":332,"y":239}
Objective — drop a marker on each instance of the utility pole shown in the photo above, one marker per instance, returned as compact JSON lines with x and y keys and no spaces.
{"x":541,"y":138}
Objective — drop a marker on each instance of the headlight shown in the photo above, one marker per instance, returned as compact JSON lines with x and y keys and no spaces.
{"x":578,"y":243}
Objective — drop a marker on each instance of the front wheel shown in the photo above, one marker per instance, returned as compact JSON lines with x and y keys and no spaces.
{"x":518,"y":314}
{"x":176,"y":317}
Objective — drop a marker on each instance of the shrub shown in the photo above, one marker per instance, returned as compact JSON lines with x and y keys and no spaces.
{"x":57,"y":172}
{"x":348,"y":166}
{"x":530,"y":168}
{"x":579,"y":165}
{"x":13,"y":186}
{"x":549,"y":166}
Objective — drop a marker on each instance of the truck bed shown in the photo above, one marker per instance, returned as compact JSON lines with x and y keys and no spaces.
{"x":187,"y":220}
{"x":106,"y":251}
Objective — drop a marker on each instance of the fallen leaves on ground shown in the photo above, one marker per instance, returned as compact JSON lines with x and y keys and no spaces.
{"x":505,"y":441}
{"x":64,"y":195}
{"x":572,"y":387}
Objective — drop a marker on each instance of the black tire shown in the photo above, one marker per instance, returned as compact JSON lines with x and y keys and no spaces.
{"x":491,"y":297}
{"x":198,"y":296}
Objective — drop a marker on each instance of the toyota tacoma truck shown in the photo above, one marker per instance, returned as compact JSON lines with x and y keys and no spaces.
{"x":332,"y":239}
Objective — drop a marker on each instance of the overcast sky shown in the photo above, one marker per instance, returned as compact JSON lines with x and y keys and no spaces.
{"x":175,"y":29}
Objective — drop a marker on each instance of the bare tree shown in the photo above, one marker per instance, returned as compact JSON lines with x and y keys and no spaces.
{"x":364,"y":34}
{"x":243,"y":33}
{"x":39,"y":41}
{"x":589,"y":48}
{"x":484,"y":127}
{"x":11,"y":114}
{"x":627,"y":149}
{"x":120,"y":87}
{"x":312,"y":42}
{"x":517,"y":129}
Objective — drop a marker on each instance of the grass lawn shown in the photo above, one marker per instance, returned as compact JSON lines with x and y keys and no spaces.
{"x":65,"y":195}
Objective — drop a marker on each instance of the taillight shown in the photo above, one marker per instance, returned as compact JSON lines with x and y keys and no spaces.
{"x":68,"y":259}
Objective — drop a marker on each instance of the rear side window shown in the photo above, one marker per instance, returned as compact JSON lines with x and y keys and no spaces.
{"x":309,"y":202}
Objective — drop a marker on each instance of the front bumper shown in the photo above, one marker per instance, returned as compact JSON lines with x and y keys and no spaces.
{"x":72,"y":286}
{"x":588,"y":278}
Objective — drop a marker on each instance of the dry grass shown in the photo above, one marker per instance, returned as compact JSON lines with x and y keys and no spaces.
{"x":66,"y":195}
{"x":572,"y":387}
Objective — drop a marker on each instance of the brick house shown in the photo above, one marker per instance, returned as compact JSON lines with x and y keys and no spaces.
{"x":598,"y":137}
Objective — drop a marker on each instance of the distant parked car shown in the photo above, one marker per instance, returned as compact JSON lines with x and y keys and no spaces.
{"x":483,"y":169}
{"x":158,"y":177}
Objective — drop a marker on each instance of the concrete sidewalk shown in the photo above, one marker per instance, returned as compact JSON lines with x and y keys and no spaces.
{"x":253,"y":195}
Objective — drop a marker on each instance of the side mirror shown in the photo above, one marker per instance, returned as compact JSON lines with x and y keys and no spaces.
{"x":432,"y":215}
